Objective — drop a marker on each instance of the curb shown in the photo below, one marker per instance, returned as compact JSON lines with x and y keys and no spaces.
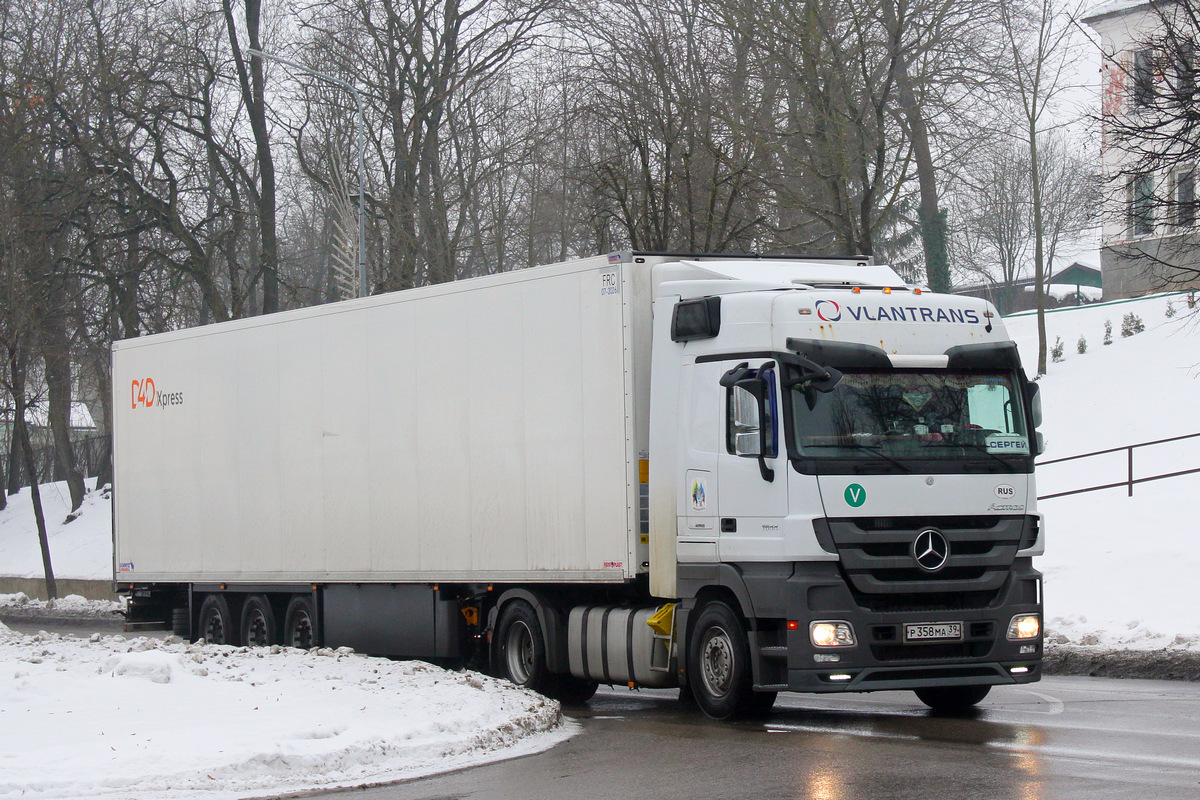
{"x":1163,"y":665}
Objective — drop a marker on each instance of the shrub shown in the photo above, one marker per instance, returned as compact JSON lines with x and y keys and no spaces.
{"x":1171,"y":309}
{"x":1132,"y":324}
{"x":1081,"y":346}
{"x":1108,"y":331}
{"x":1056,"y":352}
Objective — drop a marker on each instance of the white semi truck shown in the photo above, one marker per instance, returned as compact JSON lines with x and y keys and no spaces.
{"x":734,"y":475}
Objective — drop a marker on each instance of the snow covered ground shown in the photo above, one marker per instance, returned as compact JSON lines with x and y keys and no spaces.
{"x":108,"y":716}
{"x":1120,"y":574}
{"x":1120,"y":571}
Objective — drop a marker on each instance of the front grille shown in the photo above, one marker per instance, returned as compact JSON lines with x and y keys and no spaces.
{"x":877,"y":560}
{"x":915,"y":602}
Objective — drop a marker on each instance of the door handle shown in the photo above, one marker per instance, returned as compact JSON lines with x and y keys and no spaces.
{"x":728,"y":525}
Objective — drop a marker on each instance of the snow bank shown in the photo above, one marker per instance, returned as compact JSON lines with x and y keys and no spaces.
{"x":116,"y":717}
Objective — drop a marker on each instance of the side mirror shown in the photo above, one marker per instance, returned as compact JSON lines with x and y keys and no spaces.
{"x":751,"y":428}
{"x":1035,"y":404}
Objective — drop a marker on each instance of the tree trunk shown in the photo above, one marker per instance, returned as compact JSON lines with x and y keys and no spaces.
{"x":1038,"y":246}
{"x":14,"y":466}
{"x":21,"y":440}
{"x":56,"y":352}
{"x":252,"y":87}
{"x":933,"y":220}
{"x":22,"y":432}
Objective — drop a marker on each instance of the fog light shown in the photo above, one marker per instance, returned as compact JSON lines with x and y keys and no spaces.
{"x":839,"y":677}
{"x":1018,"y":670}
{"x":1024,"y":626}
{"x":831,"y":634}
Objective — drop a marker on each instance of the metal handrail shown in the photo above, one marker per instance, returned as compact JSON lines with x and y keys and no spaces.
{"x":1130,"y":481}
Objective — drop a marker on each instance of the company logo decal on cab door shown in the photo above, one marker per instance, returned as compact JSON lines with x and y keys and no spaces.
{"x":829,"y":311}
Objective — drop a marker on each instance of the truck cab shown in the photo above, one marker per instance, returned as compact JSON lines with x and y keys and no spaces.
{"x":846,"y":464}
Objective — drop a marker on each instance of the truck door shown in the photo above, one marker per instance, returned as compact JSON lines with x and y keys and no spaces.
{"x":752,"y":468}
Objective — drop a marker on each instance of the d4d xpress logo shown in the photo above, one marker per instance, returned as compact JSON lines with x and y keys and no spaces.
{"x":144,"y":395}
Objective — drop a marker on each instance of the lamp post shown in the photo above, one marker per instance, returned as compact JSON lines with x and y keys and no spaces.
{"x":362,"y":145}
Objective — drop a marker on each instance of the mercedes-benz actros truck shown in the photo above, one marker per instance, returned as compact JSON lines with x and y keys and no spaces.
{"x":735,"y":475}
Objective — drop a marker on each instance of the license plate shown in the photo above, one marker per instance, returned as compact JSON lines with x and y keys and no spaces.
{"x":933,"y":631}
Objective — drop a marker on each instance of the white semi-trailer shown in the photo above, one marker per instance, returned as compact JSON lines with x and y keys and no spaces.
{"x":735,"y":475}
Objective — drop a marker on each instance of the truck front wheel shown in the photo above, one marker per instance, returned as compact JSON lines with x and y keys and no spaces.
{"x":520,"y":651}
{"x":951,"y":699}
{"x":719,"y":664}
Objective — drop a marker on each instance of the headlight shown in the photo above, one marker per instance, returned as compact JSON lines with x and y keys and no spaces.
{"x":831,"y":634}
{"x":1025,"y":626}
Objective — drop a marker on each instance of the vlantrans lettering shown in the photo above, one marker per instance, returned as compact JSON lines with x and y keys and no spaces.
{"x":914,"y":314}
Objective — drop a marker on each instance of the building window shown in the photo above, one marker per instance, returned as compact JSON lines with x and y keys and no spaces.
{"x":1142,"y":85}
{"x":1183,"y":199}
{"x":1185,"y":73}
{"x":1140,"y":190}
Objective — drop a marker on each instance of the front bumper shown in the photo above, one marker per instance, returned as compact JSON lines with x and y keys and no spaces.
{"x":882,"y":659}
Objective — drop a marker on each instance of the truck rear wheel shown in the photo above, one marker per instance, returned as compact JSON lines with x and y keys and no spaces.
{"x":258,"y":622}
{"x":951,"y":699}
{"x":719,"y":663}
{"x":300,"y":623}
{"x":520,"y":651}
{"x":216,"y":620}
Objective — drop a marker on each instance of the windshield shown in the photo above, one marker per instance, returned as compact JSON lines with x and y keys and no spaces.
{"x":906,"y":415}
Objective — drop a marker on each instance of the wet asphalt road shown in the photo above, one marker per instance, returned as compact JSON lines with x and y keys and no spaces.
{"x":1064,"y":738}
{"x":1085,"y":738}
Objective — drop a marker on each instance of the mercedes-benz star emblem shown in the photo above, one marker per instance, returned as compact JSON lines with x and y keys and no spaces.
{"x":930,"y":550}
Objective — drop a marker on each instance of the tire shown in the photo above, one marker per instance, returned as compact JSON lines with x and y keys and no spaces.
{"x":258,"y":627}
{"x":570,"y":690}
{"x":181,"y":623}
{"x":719,"y":663}
{"x":216,"y":621}
{"x":951,"y":699}
{"x":300,"y":623}
{"x":520,"y":649}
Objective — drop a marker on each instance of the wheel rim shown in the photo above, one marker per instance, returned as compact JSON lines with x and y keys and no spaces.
{"x":301,"y":633}
{"x":256,"y":632}
{"x":214,"y":628}
{"x":519,"y":653}
{"x":716,"y":661}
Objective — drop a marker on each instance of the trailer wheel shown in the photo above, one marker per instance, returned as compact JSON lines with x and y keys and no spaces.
{"x":258,"y":622}
{"x":300,"y":623}
{"x":951,"y":699}
{"x":216,"y":620}
{"x":520,"y":651}
{"x":719,"y":663}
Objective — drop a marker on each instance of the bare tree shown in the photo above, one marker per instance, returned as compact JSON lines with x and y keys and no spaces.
{"x":1039,"y":38}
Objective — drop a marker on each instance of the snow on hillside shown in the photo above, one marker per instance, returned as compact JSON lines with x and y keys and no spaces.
{"x":166,"y":720}
{"x":81,"y":548}
{"x":1120,"y":571}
